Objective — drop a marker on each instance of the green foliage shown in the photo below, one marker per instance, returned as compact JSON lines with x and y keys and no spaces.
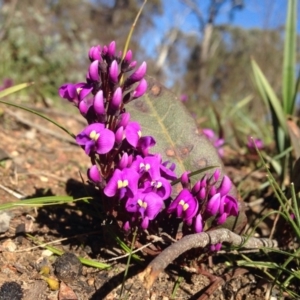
{"x":280,"y":109}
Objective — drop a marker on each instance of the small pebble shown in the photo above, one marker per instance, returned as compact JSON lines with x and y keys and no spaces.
{"x":67,"y":267}
{"x":11,"y":290}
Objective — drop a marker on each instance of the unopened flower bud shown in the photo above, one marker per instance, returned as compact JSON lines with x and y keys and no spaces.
{"x":94,"y":71}
{"x":198,"y":224}
{"x":184,"y":179}
{"x":138,"y":74}
{"x":140,"y":89}
{"x":216,"y":174}
{"x":114,"y":104}
{"x":119,"y":135}
{"x":114,"y":71}
{"x":225,"y":186}
{"x":213,"y":204}
{"x":123,"y":163}
{"x":95,"y":53}
{"x":94,"y":174}
{"x":124,"y":119}
{"x":111,"y":49}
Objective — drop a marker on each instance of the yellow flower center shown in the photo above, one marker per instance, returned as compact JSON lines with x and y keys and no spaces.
{"x":94,"y":135}
{"x":184,"y":205}
{"x":142,"y":204}
{"x":122,"y":183}
{"x":139,"y":133}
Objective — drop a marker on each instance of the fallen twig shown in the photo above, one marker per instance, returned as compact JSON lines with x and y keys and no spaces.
{"x":197,"y":240}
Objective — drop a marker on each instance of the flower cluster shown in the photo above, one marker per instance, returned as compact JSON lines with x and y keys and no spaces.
{"x":204,"y":200}
{"x":218,"y":142}
{"x":135,"y":184}
{"x":122,"y":167}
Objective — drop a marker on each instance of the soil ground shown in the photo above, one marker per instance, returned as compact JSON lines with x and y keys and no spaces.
{"x":37,"y":159}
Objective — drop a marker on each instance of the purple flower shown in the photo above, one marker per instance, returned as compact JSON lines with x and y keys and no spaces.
{"x":160,"y":186}
{"x":149,"y":164}
{"x":183,"y":98}
{"x":96,"y":138}
{"x":216,"y":247}
{"x":147,"y":205}
{"x":185,"y":205}
{"x":229,"y":205}
{"x":145,"y":143}
{"x":218,"y":142}
{"x":254,"y":141}
{"x":122,"y":181}
{"x":7,"y":82}
{"x":68,"y":91}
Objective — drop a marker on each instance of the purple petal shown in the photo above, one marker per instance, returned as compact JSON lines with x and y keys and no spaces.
{"x":133,"y":133}
{"x":145,"y":223}
{"x":68,"y":91}
{"x":105,"y":142}
{"x":144,"y":143}
{"x":209,"y":133}
{"x":84,"y":90}
{"x":222,"y":219}
{"x":124,"y":119}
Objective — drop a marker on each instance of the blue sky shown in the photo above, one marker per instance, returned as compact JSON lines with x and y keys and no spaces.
{"x":265,"y":14}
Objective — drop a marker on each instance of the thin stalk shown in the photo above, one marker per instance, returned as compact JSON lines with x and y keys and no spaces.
{"x":128,"y":260}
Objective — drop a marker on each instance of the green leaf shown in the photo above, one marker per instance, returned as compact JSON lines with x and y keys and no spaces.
{"x":162,"y":116}
{"x":288,"y":87}
{"x":14,"y":89}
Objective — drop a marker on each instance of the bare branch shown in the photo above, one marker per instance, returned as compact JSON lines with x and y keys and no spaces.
{"x":197,"y":240}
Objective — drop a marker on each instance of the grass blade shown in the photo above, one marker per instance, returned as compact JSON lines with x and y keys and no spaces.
{"x":267,"y":91}
{"x":14,"y":89}
{"x":288,"y":87}
{"x":40,"y":115}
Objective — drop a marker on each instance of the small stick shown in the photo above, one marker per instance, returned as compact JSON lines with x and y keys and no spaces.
{"x":158,"y":264}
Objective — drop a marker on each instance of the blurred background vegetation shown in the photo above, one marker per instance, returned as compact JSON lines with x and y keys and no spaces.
{"x":47,"y":42}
